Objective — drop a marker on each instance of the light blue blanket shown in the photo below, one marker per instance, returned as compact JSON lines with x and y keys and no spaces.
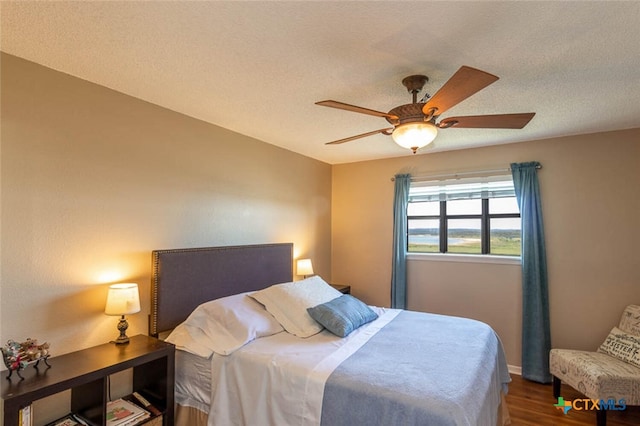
{"x":420,"y":369}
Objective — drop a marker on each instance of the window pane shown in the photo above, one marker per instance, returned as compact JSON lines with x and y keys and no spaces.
{"x":503,"y":205}
{"x":431,"y":208}
{"x":464,"y":236}
{"x":505,"y":237}
{"x":464,"y":207}
{"x":424,"y":235}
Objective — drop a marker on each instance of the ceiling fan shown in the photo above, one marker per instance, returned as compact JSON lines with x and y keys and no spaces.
{"x":414,"y":124}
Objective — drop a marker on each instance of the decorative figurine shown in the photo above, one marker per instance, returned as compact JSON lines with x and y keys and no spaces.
{"x":17,"y":356}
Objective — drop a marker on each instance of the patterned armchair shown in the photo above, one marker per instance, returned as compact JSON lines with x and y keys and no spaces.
{"x":611,"y":373}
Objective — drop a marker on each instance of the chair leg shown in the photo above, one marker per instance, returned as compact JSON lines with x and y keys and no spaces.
{"x":556,"y":387}
{"x":601,"y":417}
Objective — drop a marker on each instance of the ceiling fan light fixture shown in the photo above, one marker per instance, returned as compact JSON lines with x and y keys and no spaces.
{"x":415,"y":135}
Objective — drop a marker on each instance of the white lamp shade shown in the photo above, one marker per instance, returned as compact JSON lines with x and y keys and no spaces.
{"x":122,"y":299}
{"x":415,"y":135}
{"x":304,"y":267}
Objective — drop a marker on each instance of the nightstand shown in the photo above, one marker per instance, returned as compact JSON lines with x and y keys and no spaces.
{"x":87,"y":372}
{"x":344,"y":289}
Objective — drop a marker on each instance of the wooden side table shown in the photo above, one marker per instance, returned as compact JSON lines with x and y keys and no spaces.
{"x":86,"y":373}
{"x":344,"y":289}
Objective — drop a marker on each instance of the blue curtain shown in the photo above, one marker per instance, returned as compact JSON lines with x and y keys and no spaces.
{"x":399,"y":267}
{"x":536,"y":334}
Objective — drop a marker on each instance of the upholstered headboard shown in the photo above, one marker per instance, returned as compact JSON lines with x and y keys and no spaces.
{"x":182,"y":279}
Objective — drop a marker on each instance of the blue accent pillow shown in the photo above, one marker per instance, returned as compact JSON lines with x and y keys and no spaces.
{"x":342,"y":315}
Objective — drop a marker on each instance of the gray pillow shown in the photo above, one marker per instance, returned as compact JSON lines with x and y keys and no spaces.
{"x":342,"y":315}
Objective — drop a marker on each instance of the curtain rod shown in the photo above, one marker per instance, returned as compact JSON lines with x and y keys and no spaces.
{"x":460,"y":174}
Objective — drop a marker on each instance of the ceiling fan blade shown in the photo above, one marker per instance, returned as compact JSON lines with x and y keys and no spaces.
{"x":464,"y":83}
{"x":383,"y":131}
{"x":498,"y":121}
{"x":353,"y":108}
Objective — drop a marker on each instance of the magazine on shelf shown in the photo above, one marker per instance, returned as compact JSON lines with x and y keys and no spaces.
{"x":136,"y":421}
{"x":69,"y":420}
{"x":25,"y":416}
{"x":121,"y":412}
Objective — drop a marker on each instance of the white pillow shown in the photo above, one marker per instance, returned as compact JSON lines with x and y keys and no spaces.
{"x":223,"y":326}
{"x":288,"y":303}
{"x":191,"y":339}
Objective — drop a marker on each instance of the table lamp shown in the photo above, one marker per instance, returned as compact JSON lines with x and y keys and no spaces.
{"x":122,"y":299}
{"x":304,"y":267}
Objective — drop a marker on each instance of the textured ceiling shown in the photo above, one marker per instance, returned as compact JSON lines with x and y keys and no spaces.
{"x":257,"y":68}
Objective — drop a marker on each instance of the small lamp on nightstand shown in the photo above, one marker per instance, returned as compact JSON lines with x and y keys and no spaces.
{"x":122,"y":299}
{"x":304,"y":267}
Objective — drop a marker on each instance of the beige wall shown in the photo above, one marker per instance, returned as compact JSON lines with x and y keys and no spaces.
{"x":93,"y":181}
{"x":591,"y":199}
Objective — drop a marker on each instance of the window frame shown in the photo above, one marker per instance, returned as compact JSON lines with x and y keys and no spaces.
{"x":443,"y":228}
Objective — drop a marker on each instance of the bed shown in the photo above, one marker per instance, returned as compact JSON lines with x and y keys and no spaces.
{"x":250,"y":352}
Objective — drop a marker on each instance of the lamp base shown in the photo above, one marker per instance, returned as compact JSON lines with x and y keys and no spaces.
{"x":121,"y":340}
{"x":122,"y":327}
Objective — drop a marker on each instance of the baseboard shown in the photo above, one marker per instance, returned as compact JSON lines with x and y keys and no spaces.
{"x":514,"y":369}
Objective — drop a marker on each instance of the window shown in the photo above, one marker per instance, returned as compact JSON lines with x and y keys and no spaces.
{"x":464,"y":216}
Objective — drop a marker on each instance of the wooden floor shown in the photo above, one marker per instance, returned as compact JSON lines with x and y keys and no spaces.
{"x":531,"y":403}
